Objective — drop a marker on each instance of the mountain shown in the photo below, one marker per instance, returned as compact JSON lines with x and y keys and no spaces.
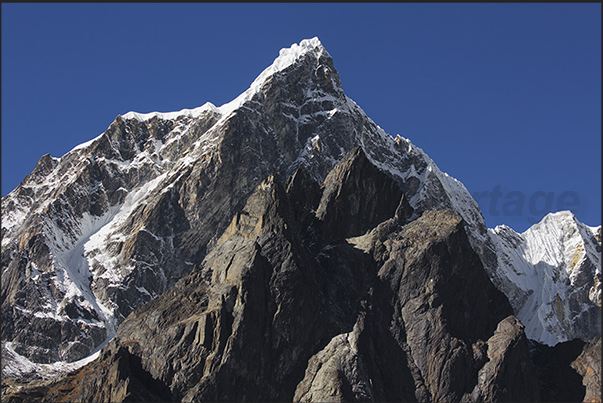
{"x":292,"y":305}
{"x":111,"y":225}
{"x":283,"y":228}
{"x":552,"y":276}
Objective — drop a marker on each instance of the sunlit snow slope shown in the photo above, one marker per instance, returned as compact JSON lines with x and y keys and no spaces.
{"x":552,"y":276}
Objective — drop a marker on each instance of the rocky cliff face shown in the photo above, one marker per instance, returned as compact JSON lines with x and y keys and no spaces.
{"x":569,"y":371}
{"x":284,"y":308}
{"x":79,"y":247}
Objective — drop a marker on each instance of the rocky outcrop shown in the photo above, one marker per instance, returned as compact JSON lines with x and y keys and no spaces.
{"x":117,"y":376}
{"x":569,"y":371}
{"x":588,"y":366}
{"x":284,"y":309}
{"x":439,"y":319}
{"x":509,"y":375}
{"x":353,"y":201}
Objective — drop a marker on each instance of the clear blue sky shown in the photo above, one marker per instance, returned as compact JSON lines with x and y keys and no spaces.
{"x":505,"y":95}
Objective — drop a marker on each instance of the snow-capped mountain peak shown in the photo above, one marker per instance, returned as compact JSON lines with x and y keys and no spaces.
{"x":91,"y":236}
{"x":287,"y":57}
{"x":552,"y":273}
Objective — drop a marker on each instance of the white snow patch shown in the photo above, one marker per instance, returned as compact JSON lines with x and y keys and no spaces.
{"x":18,"y":366}
{"x":85,"y":144}
{"x":72,"y":270}
{"x":192,"y":113}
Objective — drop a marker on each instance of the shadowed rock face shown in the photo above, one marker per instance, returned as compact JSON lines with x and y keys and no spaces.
{"x":287,"y":307}
{"x":117,"y":376}
{"x":353,"y":201}
{"x":569,"y":371}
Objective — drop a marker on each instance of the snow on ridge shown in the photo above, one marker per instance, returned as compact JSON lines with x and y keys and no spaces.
{"x":460,"y":198}
{"x":142,"y":117}
{"x":286,"y":57}
{"x":193,"y":113}
{"x":85,"y":144}
{"x":540,"y":267}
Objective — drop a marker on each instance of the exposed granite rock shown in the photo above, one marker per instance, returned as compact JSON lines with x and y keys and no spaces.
{"x":444,"y":305}
{"x":588,"y":365}
{"x":569,"y":371}
{"x":284,"y":307}
{"x":353,"y":201}
{"x":337,"y":373}
{"x":509,"y":375}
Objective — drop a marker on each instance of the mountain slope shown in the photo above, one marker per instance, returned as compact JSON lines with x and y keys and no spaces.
{"x":284,"y":309}
{"x":552,"y":275}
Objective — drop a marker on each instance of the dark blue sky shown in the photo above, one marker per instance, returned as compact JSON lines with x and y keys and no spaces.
{"x":504,"y":97}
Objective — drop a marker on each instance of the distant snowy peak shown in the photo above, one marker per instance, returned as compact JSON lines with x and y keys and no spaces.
{"x":558,"y":239}
{"x":552,"y":275}
{"x":578,"y":241}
